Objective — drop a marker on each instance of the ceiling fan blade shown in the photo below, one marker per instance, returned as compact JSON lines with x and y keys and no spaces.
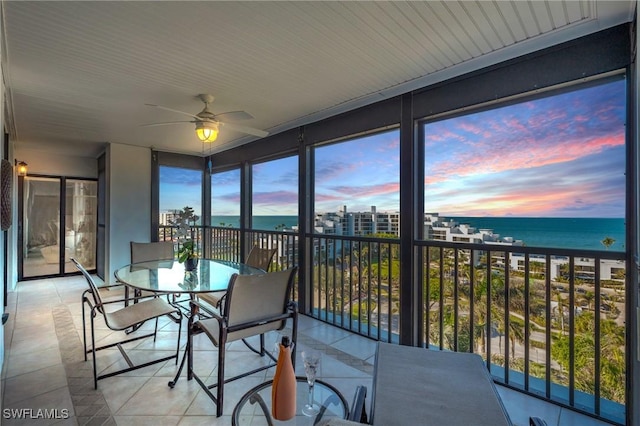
{"x":165,"y":123}
{"x":244,"y":129}
{"x":234,"y":116}
{"x":173,"y":110}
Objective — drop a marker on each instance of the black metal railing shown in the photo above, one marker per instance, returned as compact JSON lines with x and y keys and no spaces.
{"x":355,"y":284}
{"x":548,"y":322}
{"x":224,"y":243}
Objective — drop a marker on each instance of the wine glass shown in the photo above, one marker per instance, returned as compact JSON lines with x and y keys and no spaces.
{"x":311,"y":361}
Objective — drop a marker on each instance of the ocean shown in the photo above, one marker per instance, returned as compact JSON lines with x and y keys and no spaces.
{"x":574,"y":233}
{"x":266,"y":223}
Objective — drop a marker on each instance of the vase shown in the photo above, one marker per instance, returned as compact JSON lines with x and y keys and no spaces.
{"x":283,"y":390}
{"x":191,"y":264}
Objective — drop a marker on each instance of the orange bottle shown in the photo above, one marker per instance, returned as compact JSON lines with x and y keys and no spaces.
{"x":283,"y":391}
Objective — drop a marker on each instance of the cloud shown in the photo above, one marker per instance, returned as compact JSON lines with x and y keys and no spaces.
{"x":275,"y":198}
{"x":368,"y":190}
{"x":328,"y":171}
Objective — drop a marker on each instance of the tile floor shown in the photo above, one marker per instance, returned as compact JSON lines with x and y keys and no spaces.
{"x":44,"y":369}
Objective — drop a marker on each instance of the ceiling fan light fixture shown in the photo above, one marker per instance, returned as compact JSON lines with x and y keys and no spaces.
{"x":207,"y":132}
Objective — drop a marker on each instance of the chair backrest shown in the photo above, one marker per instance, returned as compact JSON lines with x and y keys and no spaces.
{"x":144,"y":252}
{"x":260,"y":257}
{"x":93,"y":289}
{"x":259,"y":297}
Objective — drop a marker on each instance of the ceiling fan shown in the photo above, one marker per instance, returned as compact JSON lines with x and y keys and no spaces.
{"x":208,"y":124}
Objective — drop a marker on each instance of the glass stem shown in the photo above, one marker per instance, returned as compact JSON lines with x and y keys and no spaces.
{"x":311,"y":395}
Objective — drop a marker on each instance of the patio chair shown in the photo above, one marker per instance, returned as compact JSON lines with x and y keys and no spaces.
{"x":258,"y":258}
{"x":121,"y":320}
{"x":144,"y":252}
{"x":256,"y":304}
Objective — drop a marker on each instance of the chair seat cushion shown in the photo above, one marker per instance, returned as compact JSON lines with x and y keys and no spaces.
{"x":427,"y":387}
{"x":137,"y":313}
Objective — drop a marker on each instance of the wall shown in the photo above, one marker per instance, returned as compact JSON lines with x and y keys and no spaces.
{"x":43,"y":163}
{"x":128,"y":203}
{"x":128,"y":195}
{"x":48,"y":163}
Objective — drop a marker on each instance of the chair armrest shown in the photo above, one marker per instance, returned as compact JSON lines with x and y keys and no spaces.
{"x":358,"y":412}
{"x":208,"y":311}
{"x":136,"y":299}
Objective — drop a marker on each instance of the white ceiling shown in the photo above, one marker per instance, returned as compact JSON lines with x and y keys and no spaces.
{"x":78,"y":74}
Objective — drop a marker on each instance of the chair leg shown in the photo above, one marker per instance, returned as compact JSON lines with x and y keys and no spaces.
{"x":93,"y":353}
{"x":262,"y":351}
{"x":155,"y":331}
{"x":84,"y":330}
{"x":220,"y":390}
{"x":179,"y":334}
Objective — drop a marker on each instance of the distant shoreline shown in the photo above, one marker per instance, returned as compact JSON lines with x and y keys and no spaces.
{"x":575,"y":233}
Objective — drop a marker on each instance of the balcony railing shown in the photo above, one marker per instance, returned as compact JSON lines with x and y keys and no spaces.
{"x":548,"y":322}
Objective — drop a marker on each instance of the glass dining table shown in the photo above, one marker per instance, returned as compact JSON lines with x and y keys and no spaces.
{"x":170,"y":277}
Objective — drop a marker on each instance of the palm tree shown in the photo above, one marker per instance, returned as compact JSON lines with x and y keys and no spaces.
{"x":608,"y":242}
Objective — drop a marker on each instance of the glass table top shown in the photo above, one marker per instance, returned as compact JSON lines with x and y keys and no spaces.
{"x":254,"y":408}
{"x":170,"y":276}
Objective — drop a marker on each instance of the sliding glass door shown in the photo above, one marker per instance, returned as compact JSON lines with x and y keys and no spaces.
{"x":80,"y":223}
{"x":57,"y":222}
{"x":41,"y":227}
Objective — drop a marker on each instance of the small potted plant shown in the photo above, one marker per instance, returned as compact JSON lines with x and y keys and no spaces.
{"x":187,"y":253}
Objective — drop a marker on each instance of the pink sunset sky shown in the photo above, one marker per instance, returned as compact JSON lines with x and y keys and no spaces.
{"x":558,"y":156}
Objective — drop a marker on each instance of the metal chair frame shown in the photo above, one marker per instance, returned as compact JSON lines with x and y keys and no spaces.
{"x":92,"y":299}
{"x":290,"y":310}
{"x":260,"y":258}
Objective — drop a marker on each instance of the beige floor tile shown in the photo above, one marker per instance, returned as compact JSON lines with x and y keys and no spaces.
{"x":204,"y":363}
{"x":326,"y":334}
{"x":233,"y":391}
{"x":57,"y":406}
{"x":31,"y":385}
{"x":18,"y":364}
{"x":205,"y":421}
{"x":25,"y":346}
{"x":147,"y":420}
{"x":156,"y":398}
{"x":358,"y":346}
{"x":137,"y":357}
{"x":118,"y":390}
{"x":34,"y":333}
